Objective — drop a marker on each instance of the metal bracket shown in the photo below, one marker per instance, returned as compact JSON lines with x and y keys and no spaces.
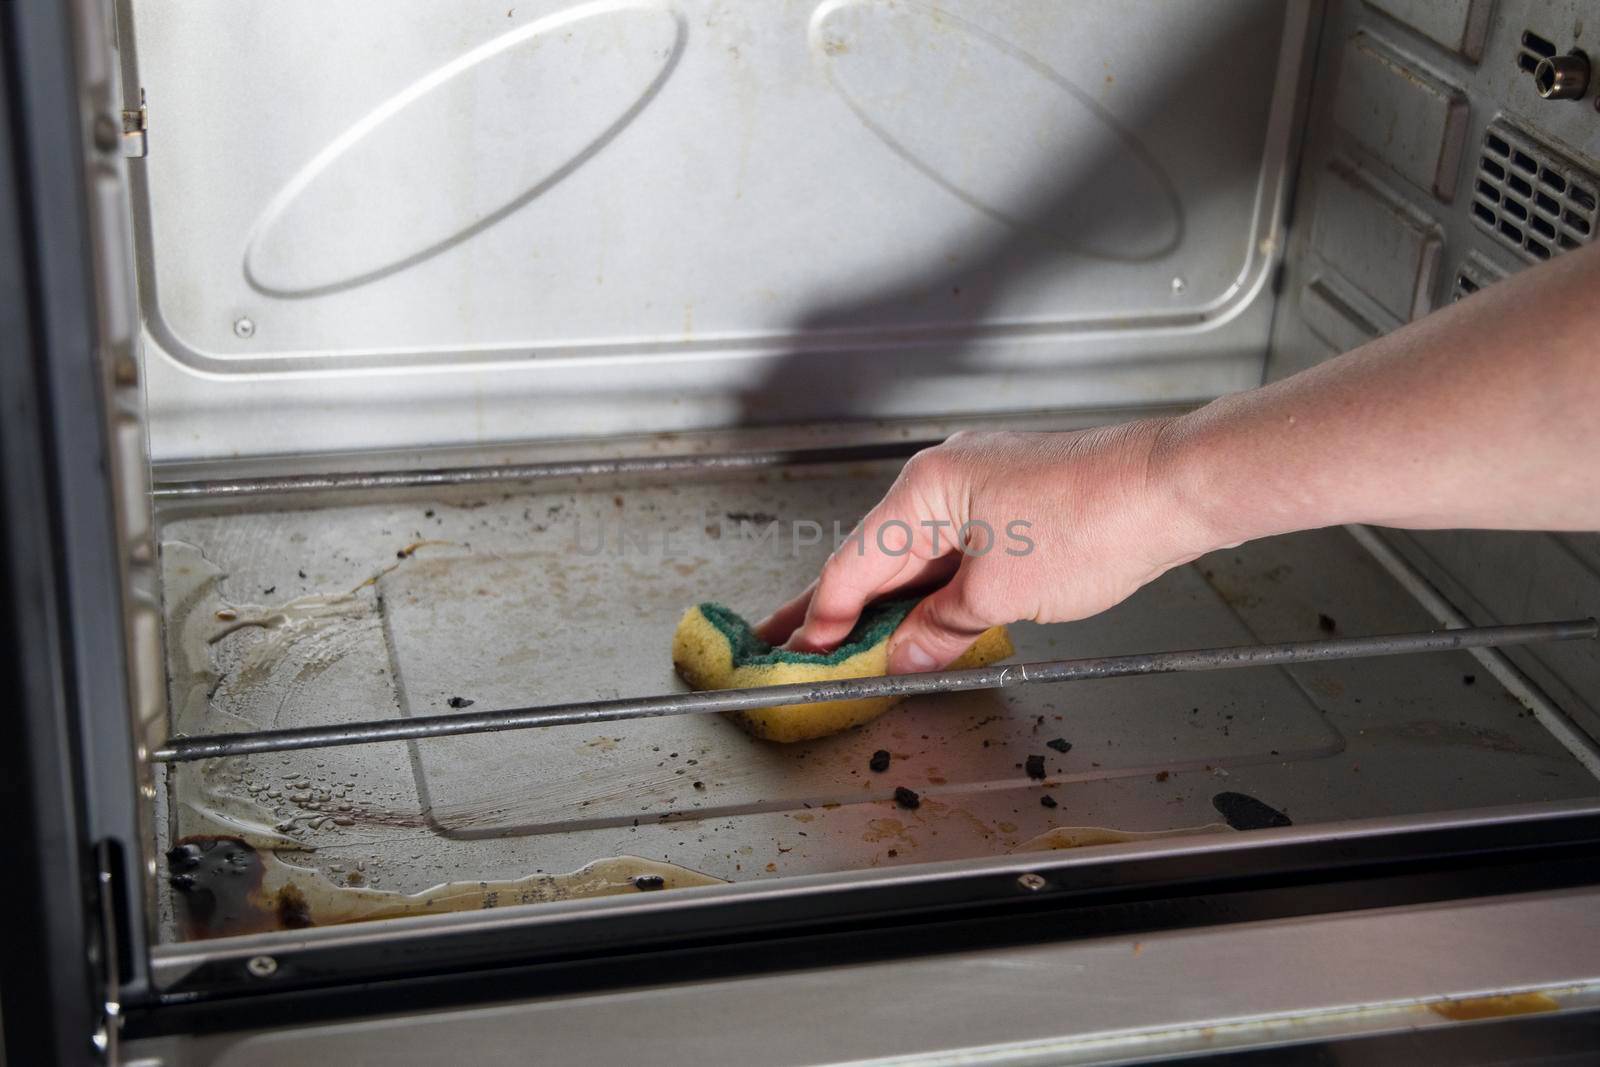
{"x":135,"y":130}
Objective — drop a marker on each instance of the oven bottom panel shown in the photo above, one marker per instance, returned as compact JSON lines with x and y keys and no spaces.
{"x":414,"y":605}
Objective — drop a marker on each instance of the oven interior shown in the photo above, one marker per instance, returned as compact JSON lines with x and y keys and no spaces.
{"x":478,"y":341}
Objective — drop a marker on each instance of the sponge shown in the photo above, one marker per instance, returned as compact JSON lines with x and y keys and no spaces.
{"x":714,"y":648}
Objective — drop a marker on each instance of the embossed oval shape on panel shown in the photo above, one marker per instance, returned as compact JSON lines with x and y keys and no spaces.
{"x":997,"y":127}
{"x":463,"y":147}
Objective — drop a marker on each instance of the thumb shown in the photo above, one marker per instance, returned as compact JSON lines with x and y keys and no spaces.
{"x":938,"y":630}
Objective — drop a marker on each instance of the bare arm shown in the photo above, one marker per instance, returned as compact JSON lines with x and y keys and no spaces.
{"x":1482,"y":415}
{"x":1485,"y":414}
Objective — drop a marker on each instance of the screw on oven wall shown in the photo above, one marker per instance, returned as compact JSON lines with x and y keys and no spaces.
{"x":244,"y":328}
{"x":1562,"y":77}
{"x":1178,"y":286}
{"x":1031,"y":882}
{"x":262,"y":966}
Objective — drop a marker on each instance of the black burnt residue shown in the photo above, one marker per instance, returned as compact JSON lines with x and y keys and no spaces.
{"x":291,"y":909}
{"x":218,"y":891}
{"x":1327,"y":623}
{"x":649,"y":881}
{"x":879,"y":761}
{"x":1060,"y":744}
{"x":218,"y":886}
{"x":1245,"y":812}
{"x":460,"y":702}
{"x":907,"y":798}
{"x":1034,"y":766}
{"x":1047,"y":801}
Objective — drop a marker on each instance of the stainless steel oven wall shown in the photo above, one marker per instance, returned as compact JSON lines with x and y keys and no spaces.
{"x":398,"y":223}
{"x":1434,"y":167}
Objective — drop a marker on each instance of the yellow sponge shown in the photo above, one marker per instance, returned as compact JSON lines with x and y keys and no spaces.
{"x":715,"y":648}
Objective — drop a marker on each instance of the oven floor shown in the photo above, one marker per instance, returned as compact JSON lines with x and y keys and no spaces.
{"x":571,"y":592}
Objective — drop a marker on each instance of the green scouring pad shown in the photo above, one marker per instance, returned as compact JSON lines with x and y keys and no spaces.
{"x":715,"y":648}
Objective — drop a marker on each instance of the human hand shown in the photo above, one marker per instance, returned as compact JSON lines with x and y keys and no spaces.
{"x":1057,"y":526}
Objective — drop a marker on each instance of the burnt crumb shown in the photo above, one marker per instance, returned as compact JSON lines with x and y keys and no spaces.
{"x":1034,"y":766}
{"x":879,"y":760}
{"x":700,"y":786}
{"x":907,"y":798}
{"x":428,"y":514}
{"x":1326,"y":623}
{"x":1047,"y":801}
{"x":893,"y":852}
{"x":1060,"y":744}
{"x":460,"y":702}
{"x":1469,"y":679}
{"x":1162,"y":776}
{"x":301,"y":573}
{"x":1245,"y":812}
{"x":269,"y":590}
{"x":649,"y":881}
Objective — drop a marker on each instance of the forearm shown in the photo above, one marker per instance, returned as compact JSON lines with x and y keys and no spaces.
{"x":1486,"y":414}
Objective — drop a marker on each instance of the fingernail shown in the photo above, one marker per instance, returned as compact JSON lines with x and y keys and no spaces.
{"x":910,"y":658}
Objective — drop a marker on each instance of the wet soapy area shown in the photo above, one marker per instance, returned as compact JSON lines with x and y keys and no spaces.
{"x":466,"y":599}
{"x":224,"y":887}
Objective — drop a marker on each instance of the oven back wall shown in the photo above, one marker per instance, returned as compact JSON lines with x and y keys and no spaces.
{"x":399,"y":224}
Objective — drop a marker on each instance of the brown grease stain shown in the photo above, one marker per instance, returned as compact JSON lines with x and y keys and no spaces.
{"x":1472,"y":1008}
{"x":224,"y":887}
{"x":1063,"y":837}
{"x":886,"y":830}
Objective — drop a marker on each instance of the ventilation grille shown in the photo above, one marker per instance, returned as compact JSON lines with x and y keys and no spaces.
{"x":1466,"y":285}
{"x":1534,"y":48}
{"x":1529,"y":198}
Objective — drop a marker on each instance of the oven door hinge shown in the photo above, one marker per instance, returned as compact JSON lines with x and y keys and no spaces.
{"x":136,"y":130}
{"x":105,"y":957}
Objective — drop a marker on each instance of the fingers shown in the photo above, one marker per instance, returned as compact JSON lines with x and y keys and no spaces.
{"x":939,"y":629}
{"x":776,"y":628}
{"x":899,"y":544}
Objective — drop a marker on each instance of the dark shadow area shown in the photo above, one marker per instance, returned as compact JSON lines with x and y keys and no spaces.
{"x":944,"y":308}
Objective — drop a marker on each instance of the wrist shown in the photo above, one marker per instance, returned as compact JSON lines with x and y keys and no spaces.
{"x":1186,"y":473}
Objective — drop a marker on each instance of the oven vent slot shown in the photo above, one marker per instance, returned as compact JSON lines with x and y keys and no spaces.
{"x":1529,"y":198}
{"x":1465,"y":286}
{"x":1534,"y":48}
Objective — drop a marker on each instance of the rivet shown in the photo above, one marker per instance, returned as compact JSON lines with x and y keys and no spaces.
{"x":1031,"y":882}
{"x":262,"y":966}
{"x":244,"y":328}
